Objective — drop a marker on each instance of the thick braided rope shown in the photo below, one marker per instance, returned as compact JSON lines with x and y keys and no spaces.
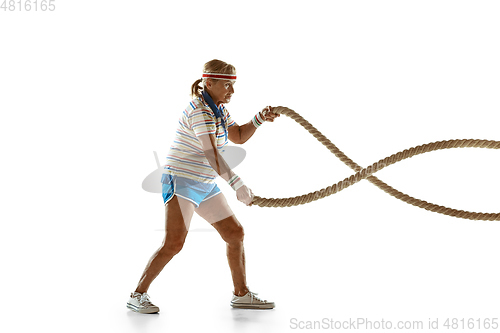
{"x":362,"y":173}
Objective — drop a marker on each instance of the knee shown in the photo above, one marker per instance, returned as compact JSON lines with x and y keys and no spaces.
{"x":172,"y":246}
{"x":235,"y":236}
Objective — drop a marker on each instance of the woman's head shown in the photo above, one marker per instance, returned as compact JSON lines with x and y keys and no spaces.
{"x":220,"y":89}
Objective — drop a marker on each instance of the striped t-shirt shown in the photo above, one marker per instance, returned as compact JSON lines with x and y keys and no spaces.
{"x":185,"y":157}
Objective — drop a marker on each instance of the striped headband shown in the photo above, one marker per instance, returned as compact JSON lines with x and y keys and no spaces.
{"x":219,"y":76}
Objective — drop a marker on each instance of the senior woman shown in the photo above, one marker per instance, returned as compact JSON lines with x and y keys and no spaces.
{"x":188,"y":182}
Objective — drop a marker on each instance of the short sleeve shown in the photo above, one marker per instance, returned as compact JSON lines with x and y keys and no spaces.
{"x":202,"y":122}
{"x":227,"y":118}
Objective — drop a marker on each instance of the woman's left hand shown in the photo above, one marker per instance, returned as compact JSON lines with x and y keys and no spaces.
{"x":268,"y":114}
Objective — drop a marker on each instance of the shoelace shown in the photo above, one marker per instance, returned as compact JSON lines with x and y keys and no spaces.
{"x":252,"y":297}
{"x":144,"y":300}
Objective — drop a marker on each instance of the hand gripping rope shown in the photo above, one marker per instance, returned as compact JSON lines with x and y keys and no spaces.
{"x":367,"y":173}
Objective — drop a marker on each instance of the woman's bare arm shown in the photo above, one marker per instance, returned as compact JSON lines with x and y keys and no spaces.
{"x":209,"y":146}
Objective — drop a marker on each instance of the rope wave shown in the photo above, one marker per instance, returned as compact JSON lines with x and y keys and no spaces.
{"x":366,"y":173}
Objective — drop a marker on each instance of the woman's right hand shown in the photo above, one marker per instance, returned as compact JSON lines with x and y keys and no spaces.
{"x":245,"y":195}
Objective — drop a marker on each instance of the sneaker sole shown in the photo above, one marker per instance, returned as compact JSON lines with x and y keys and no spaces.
{"x":134,"y":308}
{"x":252,"y":306}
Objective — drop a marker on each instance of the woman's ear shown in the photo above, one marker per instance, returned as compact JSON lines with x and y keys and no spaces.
{"x":209,"y":83}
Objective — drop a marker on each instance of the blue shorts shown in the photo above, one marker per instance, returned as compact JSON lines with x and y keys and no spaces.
{"x":188,"y":189}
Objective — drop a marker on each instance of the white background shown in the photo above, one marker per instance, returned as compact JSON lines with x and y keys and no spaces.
{"x":89,"y":91}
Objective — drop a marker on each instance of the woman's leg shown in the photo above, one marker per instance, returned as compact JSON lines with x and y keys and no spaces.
{"x":216,"y":211}
{"x":178,"y":214}
{"x":232,"y":233}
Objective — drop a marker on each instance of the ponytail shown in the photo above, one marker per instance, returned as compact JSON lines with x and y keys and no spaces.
{"x":195,"y":88}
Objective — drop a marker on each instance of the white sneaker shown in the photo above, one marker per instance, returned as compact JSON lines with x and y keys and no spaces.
{"x":250,"y":301}
{"x":140,"y":303}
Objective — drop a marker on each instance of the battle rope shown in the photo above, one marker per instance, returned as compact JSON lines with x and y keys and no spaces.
{"x":362,"y":173}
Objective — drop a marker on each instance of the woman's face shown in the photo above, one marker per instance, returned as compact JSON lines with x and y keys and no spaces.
{"x":220,"y":90}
